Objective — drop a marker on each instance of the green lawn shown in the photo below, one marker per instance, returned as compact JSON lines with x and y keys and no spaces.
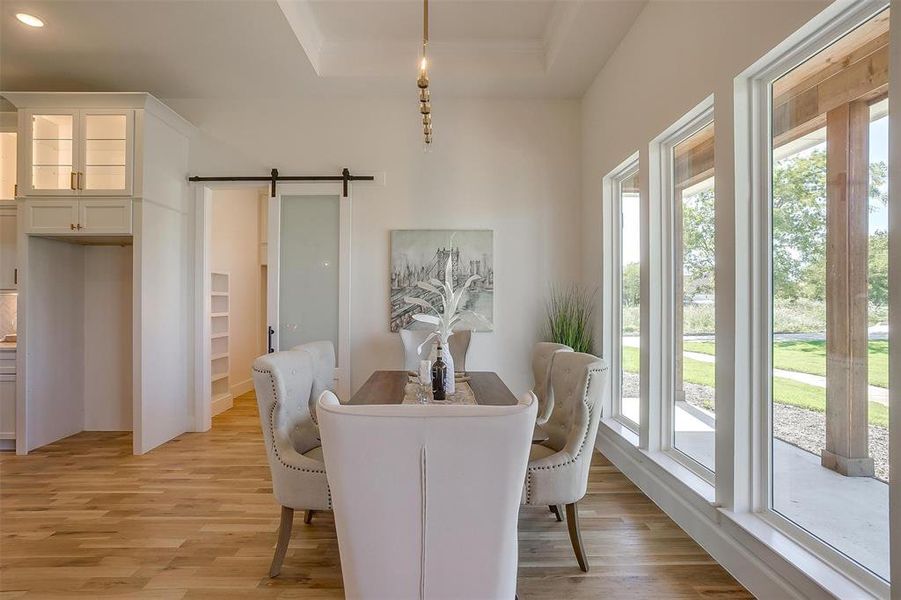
{"x":810,"y":357}
{"x":785,"y":391}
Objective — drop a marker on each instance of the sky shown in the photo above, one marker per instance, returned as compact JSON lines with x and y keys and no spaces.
{"x":879,"y":153}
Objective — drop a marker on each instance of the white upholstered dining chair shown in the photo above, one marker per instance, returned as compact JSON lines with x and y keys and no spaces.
{"x":459,"y":346}
{"x":412,"y":339}
{"x":323,"y":356}
{"x":542,"y":359}
{"x":426,"y":498}
{"x":283,"y":382}
{"x":558,"y":467}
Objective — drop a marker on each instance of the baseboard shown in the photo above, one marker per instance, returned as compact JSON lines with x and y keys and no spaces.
{"x":242,"y":387}
{"x":221,"y":403}
{"x":763,"y":571}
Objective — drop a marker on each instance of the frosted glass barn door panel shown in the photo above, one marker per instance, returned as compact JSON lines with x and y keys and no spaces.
{"x":306,"y":292}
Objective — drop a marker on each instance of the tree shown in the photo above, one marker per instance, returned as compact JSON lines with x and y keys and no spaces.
{"x":799,"y":234}
{"x":878,"y":271}
{"x":698,"y":235}
{"x":799,"y":223}
{"x":632,"y":284}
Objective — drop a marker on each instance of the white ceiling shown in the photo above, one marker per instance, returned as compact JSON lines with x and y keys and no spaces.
{"x":253,"y":48}
{"x":520,"y":47}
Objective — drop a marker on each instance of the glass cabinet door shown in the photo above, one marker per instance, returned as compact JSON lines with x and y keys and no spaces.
{"x":53,"y":156}
{"x":106,"y":152}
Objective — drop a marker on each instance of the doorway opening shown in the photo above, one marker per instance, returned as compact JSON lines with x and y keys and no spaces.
{"x":237,"y":298}
{"x":275,"y":273}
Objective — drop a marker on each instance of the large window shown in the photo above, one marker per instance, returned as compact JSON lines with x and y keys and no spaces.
{"x":764,"y":391}
{"x":624,"y":233}
{"x":828,"y":350}
{"x":693,"y":358}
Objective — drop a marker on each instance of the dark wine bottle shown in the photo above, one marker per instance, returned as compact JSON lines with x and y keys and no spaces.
{"x":439,"y":372}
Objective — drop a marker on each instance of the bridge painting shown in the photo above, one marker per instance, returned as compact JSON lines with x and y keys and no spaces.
{"x":421,"y":255}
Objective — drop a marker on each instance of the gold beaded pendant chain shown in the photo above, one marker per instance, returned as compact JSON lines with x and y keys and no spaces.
{"x":425,"y":96}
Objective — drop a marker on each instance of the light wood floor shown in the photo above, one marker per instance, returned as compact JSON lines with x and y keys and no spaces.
{"x":196,"y":519}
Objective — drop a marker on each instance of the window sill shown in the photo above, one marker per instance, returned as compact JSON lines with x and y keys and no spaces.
{"x":702,"y":488}
{"x":804,"y":560}
{"x":757,"y":553}
{"x":621,"y":430}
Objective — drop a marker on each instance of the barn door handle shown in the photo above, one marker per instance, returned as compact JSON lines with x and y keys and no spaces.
{"x":270,"y":332}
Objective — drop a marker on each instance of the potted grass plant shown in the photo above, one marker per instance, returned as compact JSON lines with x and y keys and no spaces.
{"x":569,"y":317}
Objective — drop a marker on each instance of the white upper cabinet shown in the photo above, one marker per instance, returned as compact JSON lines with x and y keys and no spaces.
{"x":8,"y":274}
{"x":106,"y":149}
{"x":78,"y":152}
{"x":53,"y":164}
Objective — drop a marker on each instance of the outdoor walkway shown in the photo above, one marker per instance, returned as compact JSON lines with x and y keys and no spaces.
{"x":875,"y":394}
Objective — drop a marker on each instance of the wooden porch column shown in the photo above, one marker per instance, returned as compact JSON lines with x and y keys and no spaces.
{"x":847,"y":175}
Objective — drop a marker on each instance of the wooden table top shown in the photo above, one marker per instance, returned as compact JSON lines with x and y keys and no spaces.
{"x":387,"y":387}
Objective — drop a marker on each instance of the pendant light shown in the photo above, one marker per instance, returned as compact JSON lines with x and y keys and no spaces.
{"x":425,"y":96}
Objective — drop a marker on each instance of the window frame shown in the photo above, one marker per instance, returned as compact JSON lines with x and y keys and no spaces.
{"x":753,"y":280}
{"x":662,"y":341}
{"x":613,"y":279}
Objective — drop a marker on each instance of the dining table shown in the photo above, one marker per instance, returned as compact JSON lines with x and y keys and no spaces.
{"x":389,"y":387}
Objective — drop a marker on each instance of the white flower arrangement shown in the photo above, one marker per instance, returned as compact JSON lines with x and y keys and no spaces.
{"x":445,"y":319}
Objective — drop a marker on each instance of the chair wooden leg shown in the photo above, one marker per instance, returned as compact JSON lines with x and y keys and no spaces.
{"x":557,"y":511}
{"x":575,"y":536}
{"x":308,"y":517}
{"x":284,"y":536}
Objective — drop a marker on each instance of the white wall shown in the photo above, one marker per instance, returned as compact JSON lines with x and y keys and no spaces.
{"x":507,"y":165}
{"x":107,"y":338}
{"x":55,"y":376}
{"x":164,"y":293}
{"x":234,"y":249}
{"x":79,"y":373}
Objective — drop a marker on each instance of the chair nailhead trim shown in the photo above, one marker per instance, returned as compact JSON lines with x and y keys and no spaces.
{"x":272,"y":434}
{"x":530,"y":470}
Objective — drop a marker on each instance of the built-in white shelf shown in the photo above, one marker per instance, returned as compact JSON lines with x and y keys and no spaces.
{"x":220,"y":388}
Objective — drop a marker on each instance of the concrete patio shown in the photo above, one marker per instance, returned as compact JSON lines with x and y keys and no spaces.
{"x":803,"y":491}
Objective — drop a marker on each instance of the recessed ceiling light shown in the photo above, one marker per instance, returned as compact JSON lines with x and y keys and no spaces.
{"x":30,"y":20}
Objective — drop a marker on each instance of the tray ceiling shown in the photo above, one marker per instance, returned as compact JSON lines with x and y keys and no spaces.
{"x":259,"y":48}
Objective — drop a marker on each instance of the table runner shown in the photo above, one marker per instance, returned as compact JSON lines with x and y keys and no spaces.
{"x":462,"y":395}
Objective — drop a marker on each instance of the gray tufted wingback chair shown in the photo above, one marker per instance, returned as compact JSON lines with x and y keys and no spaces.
{"x":283,"y":382}
{"x":558,"y":467}
{"x":542,"y":359}
{"x":323,"y":356}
